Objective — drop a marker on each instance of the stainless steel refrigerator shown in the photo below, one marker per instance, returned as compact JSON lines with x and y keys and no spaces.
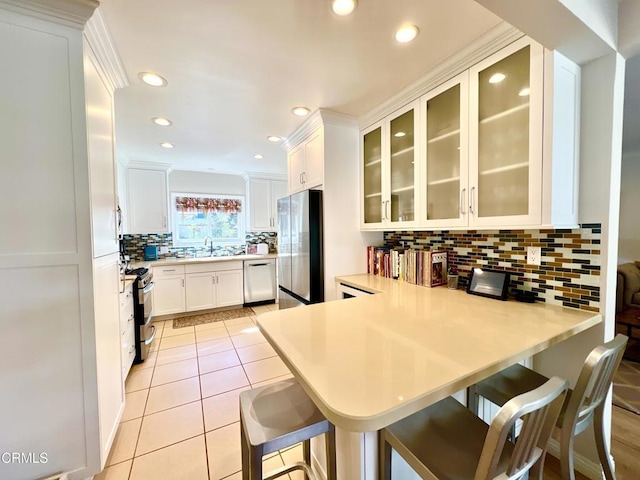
{"x":300,"y":259}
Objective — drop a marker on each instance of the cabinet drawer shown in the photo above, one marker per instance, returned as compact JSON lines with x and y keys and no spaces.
{"x":168,"y":270}
{"x":126,"y":297}
{"x":214,"y":266}
{"x":127,"y":318}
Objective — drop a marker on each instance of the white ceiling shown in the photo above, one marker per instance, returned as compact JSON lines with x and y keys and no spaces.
{"x":236,"y":68}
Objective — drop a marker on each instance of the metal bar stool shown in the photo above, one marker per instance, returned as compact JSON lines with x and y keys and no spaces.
{"x":447,"y":442}
{"x":584,"y":404}
{"x":278,"y":416}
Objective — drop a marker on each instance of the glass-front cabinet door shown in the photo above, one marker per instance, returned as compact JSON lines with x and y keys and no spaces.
{"x":390,"y":169}
{"x":505,"y":142}
{"x":445,"y":177}
{"x":372,"y":149}
{"x":402,"y":198}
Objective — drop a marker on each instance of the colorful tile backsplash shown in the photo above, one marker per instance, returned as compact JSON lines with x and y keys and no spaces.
{"x":134,"y":245}
{"x":569,"y":273}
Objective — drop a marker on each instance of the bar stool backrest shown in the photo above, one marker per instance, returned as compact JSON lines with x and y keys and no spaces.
{"x":593,"y":383}
{"x":539,"y":410}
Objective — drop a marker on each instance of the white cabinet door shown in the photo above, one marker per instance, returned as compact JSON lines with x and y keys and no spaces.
{"x":106,"y":276}
{"x":168,"y":295}
{"x":229,"y":288}
{"x":148,"y":201}
{"x":261,"y":212}
{"x":200,"y":291}
{"x":313,"y":174}
{"x":505,"y":137}
{"x":296,"y":169}
{"x":99,"y":105}
{"x":278,"y":190}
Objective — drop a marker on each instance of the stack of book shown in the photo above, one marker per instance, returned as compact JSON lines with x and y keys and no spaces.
{"x":420,"y":267}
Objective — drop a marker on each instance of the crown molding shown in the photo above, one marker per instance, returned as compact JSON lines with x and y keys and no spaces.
{"x":71,"y":13}
{"x":99,"y":38}
{"x":495,"y":39}
{"x":167,"y":167}
{"x":317,"y":119}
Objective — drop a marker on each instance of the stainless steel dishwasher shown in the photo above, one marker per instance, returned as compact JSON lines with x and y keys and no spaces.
{"x":260,"y":281}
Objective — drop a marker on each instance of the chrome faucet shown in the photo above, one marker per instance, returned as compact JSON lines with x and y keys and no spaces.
{"x":209,"y":240}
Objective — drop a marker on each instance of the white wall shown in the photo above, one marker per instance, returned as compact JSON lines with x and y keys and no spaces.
{"x":629,"y":241}
{"x":182,"y":181}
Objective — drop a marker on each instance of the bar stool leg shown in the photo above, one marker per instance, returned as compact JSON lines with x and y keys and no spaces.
{"x":255,"y":462}
{"x":244,"y":447}
{"x":306,"y":451}
{"x":384,"y":457}
{"x":330,"y":446}
{"x":601,"y":443}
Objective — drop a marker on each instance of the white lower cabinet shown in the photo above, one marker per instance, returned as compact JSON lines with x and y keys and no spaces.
{"x":201,"y":291}
{"x":168,"y":294}
{"x":211,"y":285}
{"x":229,"y":288}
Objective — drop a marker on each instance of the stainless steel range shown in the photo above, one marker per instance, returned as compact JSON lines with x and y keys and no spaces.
{"x":143,"y":313}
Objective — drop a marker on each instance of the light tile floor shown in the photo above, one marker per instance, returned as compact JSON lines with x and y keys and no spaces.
{"x":181,"y":419}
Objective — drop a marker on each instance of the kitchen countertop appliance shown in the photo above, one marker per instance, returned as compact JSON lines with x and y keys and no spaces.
{"x":300,"y":245}
{"x":143,"y":312}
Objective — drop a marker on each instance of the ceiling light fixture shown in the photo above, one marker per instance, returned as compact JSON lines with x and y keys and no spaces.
{"x":497,"y":77}
{"x":300,"y":111}
{"x":399,"y":134}
{"x":167,"y":145}
{"x":258,"y":156}
{"x":274,"y":138}
{"x":524,"y":92}
{"x":152,"y":79}
{"x":163,"y":122}
{"x":406,"y":33}
{"x":343,"y":7}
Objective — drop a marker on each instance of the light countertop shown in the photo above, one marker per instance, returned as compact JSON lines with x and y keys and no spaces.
{"x":186,"y":261}
{"x":371,"y":360}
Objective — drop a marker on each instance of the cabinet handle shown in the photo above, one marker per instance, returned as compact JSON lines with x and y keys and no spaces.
{"x":183,"y":282}
{"x":303,"y":179}
{"x":130,"y":318}
{"x":386,"y":209}
{"x":170,"y":270}
{"x":164,"y":222}
{"x":472,"y":209}
{"x":462,"y":210}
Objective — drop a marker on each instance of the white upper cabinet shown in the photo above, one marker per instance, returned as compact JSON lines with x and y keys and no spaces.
{"x":306,"y":163}
{"x":148,"y":201}
{"x":263,"y":199}
{"x":445,"y":134}
{"x":390,"y":170}
{"x":481,"y":158}
{"x":505,"y":137}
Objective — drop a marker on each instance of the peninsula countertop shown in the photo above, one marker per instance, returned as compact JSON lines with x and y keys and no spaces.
{"x":371,"y":360}
{"x":196,"y":260}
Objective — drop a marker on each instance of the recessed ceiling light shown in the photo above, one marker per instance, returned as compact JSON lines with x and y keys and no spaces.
{"x":406,"y":33}
{"x":258,"y":156}
{"x":274,"y":138}
{"x":497,"y":77}
{"x":524,"y":92}
{"x":163,"y":122}
{"x":343,"y":7}
{"x":300,"y":111}
{"x":399,"y":134}
{"x":152,"y":79}
{"x":167,"y":145}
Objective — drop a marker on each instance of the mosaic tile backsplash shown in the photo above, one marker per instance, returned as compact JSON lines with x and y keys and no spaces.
{"x":134,"y":246}
{"x":569,"y":273}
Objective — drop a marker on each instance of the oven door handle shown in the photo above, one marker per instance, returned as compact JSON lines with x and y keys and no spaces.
{"x":153,"y":336}
{"x":148,"y":288}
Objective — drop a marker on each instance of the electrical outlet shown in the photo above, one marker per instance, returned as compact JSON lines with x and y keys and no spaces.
{"x":533,"y":255}
{"x":164,"y":250}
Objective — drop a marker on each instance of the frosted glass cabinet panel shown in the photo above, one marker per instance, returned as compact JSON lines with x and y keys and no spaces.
{"x":372,"y":176}
{"x":401,"y":207}
{"x":506,"y":125}
{"x":446,"y":129}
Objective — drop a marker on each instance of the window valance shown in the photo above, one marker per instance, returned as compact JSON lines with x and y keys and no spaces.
{"x":208,"y":205}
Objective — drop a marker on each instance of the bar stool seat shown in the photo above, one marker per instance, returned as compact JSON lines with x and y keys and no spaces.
{"x":278,"y":416}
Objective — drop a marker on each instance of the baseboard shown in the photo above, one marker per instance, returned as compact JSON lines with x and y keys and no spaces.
{"x":582,"y":464}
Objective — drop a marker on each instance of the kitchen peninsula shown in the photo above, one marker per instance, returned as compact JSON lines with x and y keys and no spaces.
{"x":371,"y":360}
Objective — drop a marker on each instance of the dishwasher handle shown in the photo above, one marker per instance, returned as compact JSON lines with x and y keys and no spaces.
{"x":259,"y":264}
